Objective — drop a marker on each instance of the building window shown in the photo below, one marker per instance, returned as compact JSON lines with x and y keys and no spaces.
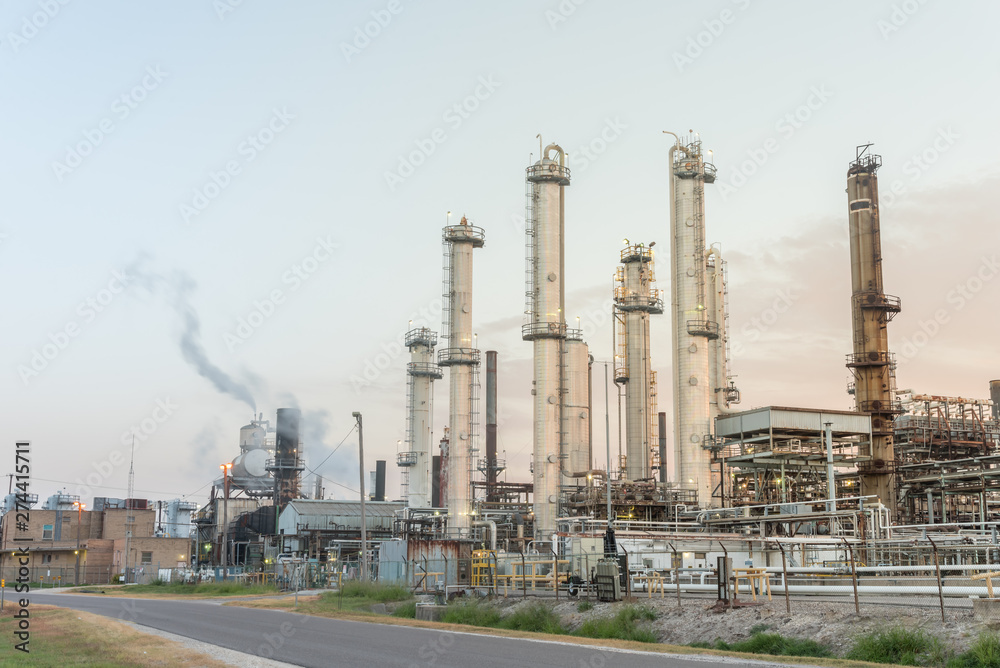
{"x":147,"y":557}
{"x":47,"y":532}
{"x":699,"y":555}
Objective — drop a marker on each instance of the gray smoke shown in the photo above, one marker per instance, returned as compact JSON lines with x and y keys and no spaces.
{"x":193,"y":352}
{"x":176,"y":292}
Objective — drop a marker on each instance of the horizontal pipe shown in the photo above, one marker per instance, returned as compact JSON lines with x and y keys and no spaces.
{"x":846,"y":590}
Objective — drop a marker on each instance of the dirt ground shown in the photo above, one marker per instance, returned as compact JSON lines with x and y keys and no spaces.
{"x":832,"y":624}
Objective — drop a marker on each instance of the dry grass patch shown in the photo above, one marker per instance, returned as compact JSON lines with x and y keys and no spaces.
{"x":61,"y":637}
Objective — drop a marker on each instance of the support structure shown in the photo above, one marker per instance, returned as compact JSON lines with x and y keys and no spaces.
{"x":462,"y":359}
{"x":635,"y":299}
{"x":415,"y":460}
{"x":871,"y":362}
{"x":546,"y":326}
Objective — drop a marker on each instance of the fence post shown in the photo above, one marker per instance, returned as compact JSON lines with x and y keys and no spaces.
{"x":854,"y":577}
{"x":784,"y":578}
{"x":524,"y":586}
{"x":726,"y":553}
{"x":937,"y":568}
{"x":555,"y":572}
{"x":677,"y":573}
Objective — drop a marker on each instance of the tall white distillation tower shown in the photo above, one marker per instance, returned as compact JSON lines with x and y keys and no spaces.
{"x":462,"y":358}
{"x":635,"y":300}
{"x":416,"y":460}
{"x":546,"y":326}
{"x":697,"y":300}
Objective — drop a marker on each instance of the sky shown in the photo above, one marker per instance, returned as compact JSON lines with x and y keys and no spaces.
{"x":216,"y":208}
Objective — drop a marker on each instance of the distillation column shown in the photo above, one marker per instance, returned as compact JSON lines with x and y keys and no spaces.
{"x":576,"y":411}
{"x":462,"y":358}
{"x":415,"y":461}
{"x":871,"y":362}
{"x":546,"y":327}
{"x":635,"y":300}
{"x":694,"y":327}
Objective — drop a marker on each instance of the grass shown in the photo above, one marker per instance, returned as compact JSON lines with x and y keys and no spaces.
{"x":622,"y":626}
{"x":584,"y":606}
{"x":984,"y":653}
{"x":907,"y":647}
{"x":61,"y":637}
{"x":407,"y":610}
{"x":536,"y":617}
{"x":471,"y":614}
{"x":378,"y":593}
{"x":201,"y":589}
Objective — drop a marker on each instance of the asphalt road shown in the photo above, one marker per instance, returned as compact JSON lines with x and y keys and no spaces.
{"x":316,"y":641}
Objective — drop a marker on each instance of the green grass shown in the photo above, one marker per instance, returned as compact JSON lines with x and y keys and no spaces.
{"x":984,"y":653}
{"x":472,"y":614}
{"x":622,"y":626}
{"x":774,"y":644}
{"x":201,"y":588}
{"x":908,"y":647}
{"x":536,"y":617}
{"x":408,"y":610}
{"x":585,"y":606}
{"x":378,"y":593}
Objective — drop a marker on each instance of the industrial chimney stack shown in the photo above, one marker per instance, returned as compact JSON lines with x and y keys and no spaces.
{"x":871,"y":362}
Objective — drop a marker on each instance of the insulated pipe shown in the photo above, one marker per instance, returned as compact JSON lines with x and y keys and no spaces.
{"x":721,"y":368}
{"x":493,"y":531}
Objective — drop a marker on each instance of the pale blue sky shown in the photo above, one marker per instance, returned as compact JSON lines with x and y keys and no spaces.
{"x":338,"y":128}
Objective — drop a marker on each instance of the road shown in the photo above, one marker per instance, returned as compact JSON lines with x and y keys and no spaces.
{"x":316,"y":641}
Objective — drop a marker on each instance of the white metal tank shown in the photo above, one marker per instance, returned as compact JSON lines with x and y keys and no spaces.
{"x":251,"y":464}
{"x":252,"y":436}
{"x":576,"y":412}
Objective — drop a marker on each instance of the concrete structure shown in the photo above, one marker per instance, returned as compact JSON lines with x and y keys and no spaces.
{"x":462,"y":359}
{"x":635,"y":299}
{"x":415,"y":459}
{"x":871,"y":362}
{"x":545,"y":311}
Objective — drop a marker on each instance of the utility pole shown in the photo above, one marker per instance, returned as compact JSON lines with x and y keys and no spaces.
{"x":364,"y":533}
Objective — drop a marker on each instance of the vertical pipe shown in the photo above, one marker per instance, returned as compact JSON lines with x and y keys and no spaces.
{"x":364,"y":522}
{"x":491,"y":424}
{"x":831,"y":483}
{"x":662,"y":423}
{"x":380,"y":480}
